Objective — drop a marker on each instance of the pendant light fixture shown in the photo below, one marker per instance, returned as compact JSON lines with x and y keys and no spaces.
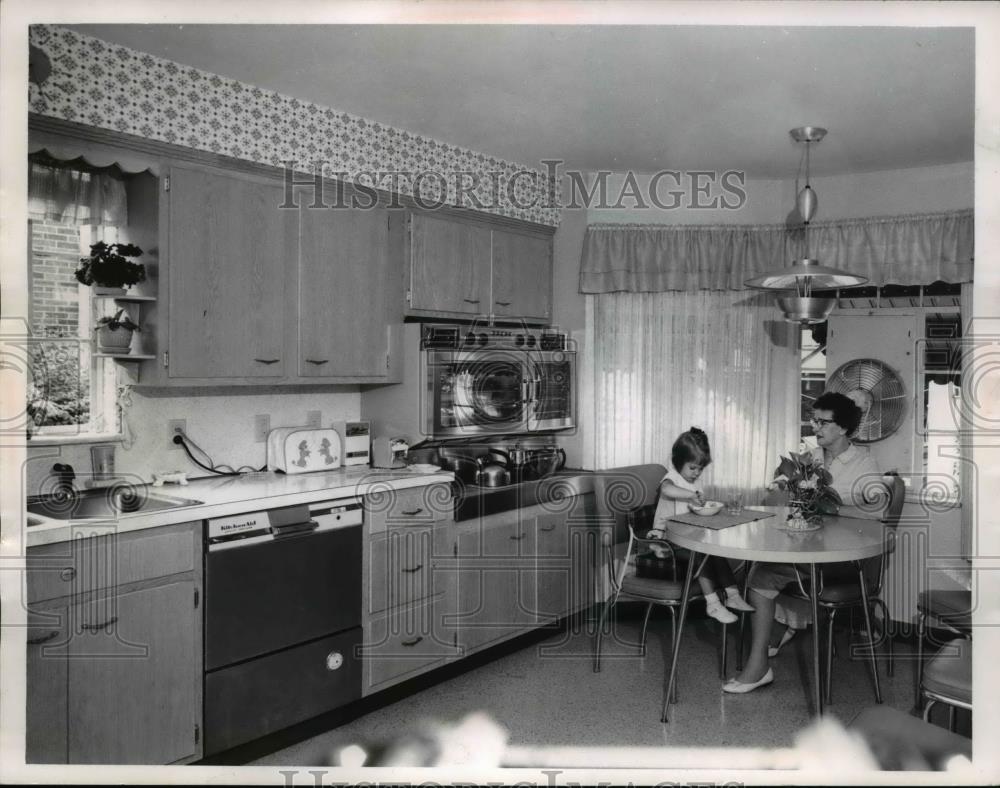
{"x":795,"y":283}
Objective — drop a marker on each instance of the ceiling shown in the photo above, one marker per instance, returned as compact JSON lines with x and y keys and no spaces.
{"x":617,"y":97}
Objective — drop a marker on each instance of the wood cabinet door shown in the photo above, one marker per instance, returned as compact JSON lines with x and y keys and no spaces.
{"x":45,"y":724}
{"x":522,"y":275}
{"x":228,"y":258}
{"x":344,"y":267}
{"x":449,"y":266}
{"x":496,"y":580}
{"x":553,"y":578}
{"x":134,"y":671}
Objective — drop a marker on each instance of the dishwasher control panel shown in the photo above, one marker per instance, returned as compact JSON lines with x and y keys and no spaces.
{"x":254,"y":527}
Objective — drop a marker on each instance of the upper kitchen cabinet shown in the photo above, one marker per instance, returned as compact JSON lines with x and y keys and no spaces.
{"x":348,"y":282}
{"x":230,"y":250}
{"x":449,"y":266}
{"x":467,"y":268}
{"x":522,"y":275}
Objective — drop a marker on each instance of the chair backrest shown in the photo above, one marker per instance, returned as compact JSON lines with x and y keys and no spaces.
{"x":875,"y":567}
{"x":619,"y":491}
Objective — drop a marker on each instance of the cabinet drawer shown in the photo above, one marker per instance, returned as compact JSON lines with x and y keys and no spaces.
{"x":399,"y":567}
{"x":102,"y":560}
{"x":415,"y":506}
{"x":405,"y":642}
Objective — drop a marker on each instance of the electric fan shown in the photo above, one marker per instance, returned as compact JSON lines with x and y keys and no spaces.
{"x":877,"y":389}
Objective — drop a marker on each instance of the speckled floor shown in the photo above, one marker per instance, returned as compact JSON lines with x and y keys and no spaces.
{"x":548,"y":694}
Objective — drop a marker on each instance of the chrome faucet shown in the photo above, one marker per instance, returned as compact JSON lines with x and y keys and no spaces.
{"x":65,"y":475}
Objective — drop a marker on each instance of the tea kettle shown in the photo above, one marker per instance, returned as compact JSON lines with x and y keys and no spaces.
{"x":493,"y":472}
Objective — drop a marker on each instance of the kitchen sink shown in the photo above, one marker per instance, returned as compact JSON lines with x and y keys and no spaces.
{"x":104,"y":504}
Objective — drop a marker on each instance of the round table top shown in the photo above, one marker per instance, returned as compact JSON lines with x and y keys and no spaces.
{"x":839,"y":539}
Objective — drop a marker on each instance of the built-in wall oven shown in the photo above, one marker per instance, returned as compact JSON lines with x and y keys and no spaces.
{"x":282,"y":618}
{"x":480,"y":380}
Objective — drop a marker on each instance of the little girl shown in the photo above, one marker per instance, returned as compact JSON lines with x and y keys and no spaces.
{"x":688,"y":458}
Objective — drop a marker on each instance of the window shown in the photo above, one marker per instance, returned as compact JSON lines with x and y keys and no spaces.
{"x":71,"y":205}
{"x":71,"y":392}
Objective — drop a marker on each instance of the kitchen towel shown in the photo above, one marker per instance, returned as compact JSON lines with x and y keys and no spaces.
{"x":722,"y":519}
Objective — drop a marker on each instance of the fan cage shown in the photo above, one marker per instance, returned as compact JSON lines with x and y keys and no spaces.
{"x":888,"y":397}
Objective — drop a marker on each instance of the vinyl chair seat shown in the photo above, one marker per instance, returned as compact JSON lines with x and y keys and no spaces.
{"x":949,"y":672}
{"x":652,"y":588}
{"x":952,"y":607}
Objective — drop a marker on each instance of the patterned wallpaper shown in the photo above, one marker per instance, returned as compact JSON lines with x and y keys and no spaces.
{"x":114,"y":87}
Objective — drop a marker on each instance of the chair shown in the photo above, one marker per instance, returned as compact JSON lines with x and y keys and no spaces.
{"x":948,"y":679}
{"x":846,"y":592}
{"x":626,"y":497}
{"x":949,"y":609}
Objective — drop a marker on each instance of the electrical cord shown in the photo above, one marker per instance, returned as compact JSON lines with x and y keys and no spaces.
{"x":182,"y":439}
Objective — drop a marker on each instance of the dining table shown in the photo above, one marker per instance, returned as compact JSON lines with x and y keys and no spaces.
{"x":771,"y":539}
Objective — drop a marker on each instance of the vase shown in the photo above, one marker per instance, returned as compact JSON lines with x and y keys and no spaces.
{"x":114,"y":340}
{"x":802,"y":518}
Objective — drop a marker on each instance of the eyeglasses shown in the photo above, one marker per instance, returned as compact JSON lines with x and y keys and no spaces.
{"x":821,"y":422}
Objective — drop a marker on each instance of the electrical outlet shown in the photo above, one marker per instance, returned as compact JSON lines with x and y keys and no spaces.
{"x":261,"y":426}
{"x":173,"y":427}
{"x":314,"y":419}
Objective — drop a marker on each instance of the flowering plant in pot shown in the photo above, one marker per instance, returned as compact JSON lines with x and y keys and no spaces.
{"x":810,"y":495}
{"x":109,"y":267}
{"x":114,"y":333}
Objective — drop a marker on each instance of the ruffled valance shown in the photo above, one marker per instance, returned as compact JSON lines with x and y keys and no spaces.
{"x":75,"y":193}
{"x":905,"y":250}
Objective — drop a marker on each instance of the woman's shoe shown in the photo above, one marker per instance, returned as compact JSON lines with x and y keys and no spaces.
{"x":772,"y":651}
{"x":739,"y":688}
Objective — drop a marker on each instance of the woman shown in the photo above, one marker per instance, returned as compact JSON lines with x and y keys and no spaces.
{"x":835,"y":418}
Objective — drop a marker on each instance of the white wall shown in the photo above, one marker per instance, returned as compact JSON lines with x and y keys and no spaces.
{"x":221,"y":423}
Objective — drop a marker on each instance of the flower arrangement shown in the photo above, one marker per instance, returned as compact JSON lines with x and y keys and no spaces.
{"x":115,"y":332}
{"x":109,"y":266}
{"x":807,"y":482}
{"x":119,"y":319}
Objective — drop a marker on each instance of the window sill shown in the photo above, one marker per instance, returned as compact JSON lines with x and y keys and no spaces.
{"x":70,"y":440}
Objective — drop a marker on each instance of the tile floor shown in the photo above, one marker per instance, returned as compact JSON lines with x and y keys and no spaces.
{"x":547,"y":694}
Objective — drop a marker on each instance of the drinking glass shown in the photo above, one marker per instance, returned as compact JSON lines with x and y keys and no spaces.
{"x":734,"y":504}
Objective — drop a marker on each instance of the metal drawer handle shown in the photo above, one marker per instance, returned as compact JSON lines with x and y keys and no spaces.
{"x":317,"y":361}
{"x":42,"y":639}
{"x":413,"y":642}
{"x":550,"y":528}
{"x":503,"y":303}
{"x":417,"y":568}
{"x":519,"y":537}
{"x":68,"y":573}
{"x":471,"y":301}
{"x":97,"y":627}
{"x":267,"y":360}
{"x":411,"y":513}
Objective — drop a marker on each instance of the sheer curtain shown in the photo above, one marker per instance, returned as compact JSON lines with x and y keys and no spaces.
{"x":71,"y":194}
{"x":719,"y":360}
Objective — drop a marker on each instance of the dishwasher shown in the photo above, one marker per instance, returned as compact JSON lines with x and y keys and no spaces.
{"x":282,"y":618}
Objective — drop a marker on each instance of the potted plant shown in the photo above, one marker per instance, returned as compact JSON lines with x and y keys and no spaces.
{"x":108,"y":268}
{"x":809,"y":489}
{"x":114,"y":334}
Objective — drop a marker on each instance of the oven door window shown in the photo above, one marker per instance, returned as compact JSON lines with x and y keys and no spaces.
{"x":484,"y":394}
{"x":552,"y":392}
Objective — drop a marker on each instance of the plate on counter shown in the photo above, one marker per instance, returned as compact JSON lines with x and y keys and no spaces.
{"x":424,"y":467}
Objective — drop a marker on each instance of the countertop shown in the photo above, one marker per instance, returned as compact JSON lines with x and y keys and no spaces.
{"x":227,"y":495}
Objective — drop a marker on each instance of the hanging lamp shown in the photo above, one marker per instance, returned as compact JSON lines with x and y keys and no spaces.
{"x":796,"y":283}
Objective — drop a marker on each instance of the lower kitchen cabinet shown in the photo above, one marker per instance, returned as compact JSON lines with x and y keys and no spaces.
{"x":131,"y":692}
{"x":114,"y":666}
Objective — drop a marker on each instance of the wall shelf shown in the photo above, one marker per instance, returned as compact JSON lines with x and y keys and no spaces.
{"x":125,"y":356}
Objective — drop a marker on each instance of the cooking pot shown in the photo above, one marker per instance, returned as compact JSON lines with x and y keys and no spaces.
{"x":546,"y":462}
{"x":464,"y":468}
{"x":492,"y":473}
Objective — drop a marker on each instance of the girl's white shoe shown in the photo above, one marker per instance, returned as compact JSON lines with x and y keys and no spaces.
{"x":735,"y":602}
{"x":772,"y":651}
{"x":715,"y":609}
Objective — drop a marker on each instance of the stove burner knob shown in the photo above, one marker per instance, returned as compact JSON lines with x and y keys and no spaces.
{"x":470,"y":338}
{"x":483,"y":339}
{"x":519,"y":341}
{"x":531,"y":341}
